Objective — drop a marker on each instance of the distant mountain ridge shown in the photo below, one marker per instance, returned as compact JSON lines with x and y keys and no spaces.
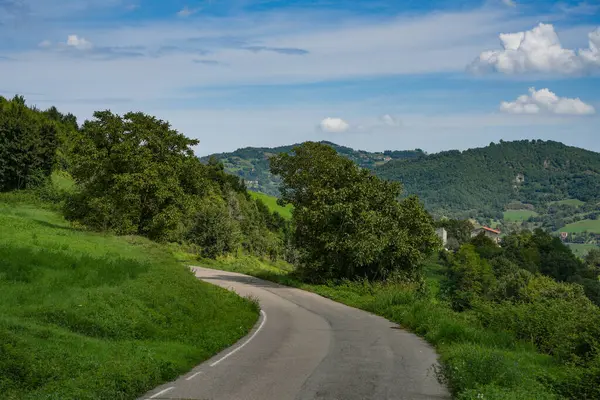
{"x":471,"y":183}
{"x":252,"y":163}
{"x":484,"y":181}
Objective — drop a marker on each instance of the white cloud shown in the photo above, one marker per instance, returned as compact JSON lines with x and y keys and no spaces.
{"x":539,"y":50}
{"x":509,"y":3}
{"x":78,"y":42}
{"x":334,"y":125}
{"x":45,"y":44}
{"x":545,"y":101}
{"x":436,"y":43}
{"x":186,"y":12}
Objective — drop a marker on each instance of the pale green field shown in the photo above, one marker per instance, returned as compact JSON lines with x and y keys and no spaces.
{"x":585,"y":225}
{"x":570,"y":202}
{"x":581,"y":250}
{"x":518,"y":215}
{"x":271,"y":202}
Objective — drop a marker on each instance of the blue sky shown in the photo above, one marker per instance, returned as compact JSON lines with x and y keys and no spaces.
{"x":372,"y":74}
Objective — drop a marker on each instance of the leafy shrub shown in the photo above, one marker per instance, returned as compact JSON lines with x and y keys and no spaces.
{"x":470,"y":278}
{"x":556,"y":317}
{"x":213,"y":229}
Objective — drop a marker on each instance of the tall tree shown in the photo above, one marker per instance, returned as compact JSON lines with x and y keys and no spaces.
{"x":130,"y":170}
{"x":349,"y":223}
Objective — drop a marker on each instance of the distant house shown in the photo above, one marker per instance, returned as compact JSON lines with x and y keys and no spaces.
{"x":443,"y":235}
{"x":564,"y":235}
{"x":488,"y":232}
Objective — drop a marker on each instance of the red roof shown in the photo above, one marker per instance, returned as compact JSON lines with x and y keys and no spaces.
{"x":490,"y":230}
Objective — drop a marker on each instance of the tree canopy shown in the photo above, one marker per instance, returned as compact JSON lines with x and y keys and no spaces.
{"x":484,"y":181}
{"x":28,"y":143}
{"x":349,"y":223}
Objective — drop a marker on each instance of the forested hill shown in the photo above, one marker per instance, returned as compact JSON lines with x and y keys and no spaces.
{"x":252,"y":163}
{"x":484,"y":181}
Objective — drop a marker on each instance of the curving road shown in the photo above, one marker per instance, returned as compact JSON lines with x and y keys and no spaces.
{"x":307,"y":347}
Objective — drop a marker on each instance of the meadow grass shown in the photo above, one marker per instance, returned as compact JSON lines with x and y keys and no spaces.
{"x":518,"y":215}
{"x":92,"y":316}
{"x":570,"y":202}
{"x":271,"y":202}
{"x":581,"y":250}
{"x":476,"y":362}
{"x":585,"y":225}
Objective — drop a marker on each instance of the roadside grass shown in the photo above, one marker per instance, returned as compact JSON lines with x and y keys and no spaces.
{"x":585,"y":225}
{"x":271,"y":202}
{"x":476,"y":362}
{"x":92,"y":316}
{"x":518,"y":215}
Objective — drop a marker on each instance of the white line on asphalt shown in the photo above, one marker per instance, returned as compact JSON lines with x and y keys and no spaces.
{"x":162,"y":392}
{"x":193,"y":376}
{"x":246,"y":342}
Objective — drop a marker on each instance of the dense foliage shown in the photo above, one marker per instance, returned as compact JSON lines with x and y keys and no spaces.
{"x":509,"y":185}
{"x":534,"y":288}
{"x":252,"y":163}
{"x":484,"y":181}
{"x":134,"y":174}
{"x":349,"y":223}
{"x":28,"y":142}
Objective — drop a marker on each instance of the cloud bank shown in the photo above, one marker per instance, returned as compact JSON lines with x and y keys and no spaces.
{"x":334,"y":125}
{"x":545,"y":101}
{"x":539,"y":50}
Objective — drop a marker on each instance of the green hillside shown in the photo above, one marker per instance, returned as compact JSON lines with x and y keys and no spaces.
{"x":585,"y":225}
{"x":570,"y":202}
{"x":252,"y":163}
{"x":484,"y":181}
{"x":93,"y":316}
{"x":271,"y":202}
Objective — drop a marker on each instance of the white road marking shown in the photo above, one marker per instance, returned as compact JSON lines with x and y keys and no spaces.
{"x":246,"y":342}
{"x":162,"y":392}
{"x":193,"y":376}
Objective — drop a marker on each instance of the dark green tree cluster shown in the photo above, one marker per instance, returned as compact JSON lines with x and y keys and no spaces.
{"x":535,"y":253}
{"x":134,"y":174}
{"x":483,"y":181}
{"x":28,"y":143}
{"x":349,"y":223}
{"x":137,"y":175}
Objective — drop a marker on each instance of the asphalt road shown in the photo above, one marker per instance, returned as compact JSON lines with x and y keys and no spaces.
{"x":307,"y":347}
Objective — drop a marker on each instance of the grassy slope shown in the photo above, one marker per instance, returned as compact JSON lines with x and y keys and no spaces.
{"x":478,"y":363}
{"x":582,"y":226}
{"x":570,"y":202}
{"x":581,"y":250}
{"x":271,"y":202}
{"x":88,"y":316}
{"x":518,"y":215}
